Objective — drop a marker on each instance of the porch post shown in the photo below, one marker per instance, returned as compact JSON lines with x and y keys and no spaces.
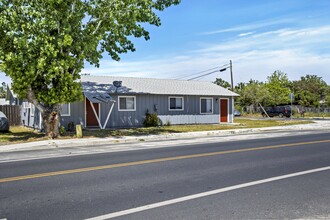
{"x":106,"y":121}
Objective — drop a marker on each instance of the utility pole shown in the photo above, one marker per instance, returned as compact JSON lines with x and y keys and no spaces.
{"x":231,"y":76}
{"x":231,"y":73}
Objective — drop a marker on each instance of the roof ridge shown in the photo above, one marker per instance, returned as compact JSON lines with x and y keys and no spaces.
{"x":131,"y":77}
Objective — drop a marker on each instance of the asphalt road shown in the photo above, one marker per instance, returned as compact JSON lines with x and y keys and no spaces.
{"x":87,"y":186}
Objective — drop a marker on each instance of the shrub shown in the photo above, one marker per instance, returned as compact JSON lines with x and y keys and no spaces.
{"x":62,"y":130}
{"x":151,"y":120}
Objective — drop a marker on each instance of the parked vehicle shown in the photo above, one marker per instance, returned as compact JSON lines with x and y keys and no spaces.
{"x":280,"y":111}
{"x":4,"y":123}
{"x":237,"y":113}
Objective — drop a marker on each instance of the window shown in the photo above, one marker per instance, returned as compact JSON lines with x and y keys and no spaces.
{"x":126,"y":103}
{"x":176,"y":103}
{"x":206,"y":105}
{"x":65,"y":110}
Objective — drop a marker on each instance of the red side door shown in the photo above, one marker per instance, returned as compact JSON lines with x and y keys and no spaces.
{"x":223,"y":110}
{"x":91,"y":120}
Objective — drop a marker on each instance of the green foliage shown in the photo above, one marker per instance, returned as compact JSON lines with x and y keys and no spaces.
{"x":62,"y":130}
{"x":45,"y":43}
{"x":278,"y":86}
{"x":3,"y":90}
{"x":151,"y":120}
{"x":327,"y":100}
{"x":310,"y":90}
{"x":222,"y":83}
{"x":253,"y":93}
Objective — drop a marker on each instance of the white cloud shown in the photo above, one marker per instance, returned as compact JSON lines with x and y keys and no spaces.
{"x":248,"y":27}
{"x":245,"y":34}
{"x":294,"y":51}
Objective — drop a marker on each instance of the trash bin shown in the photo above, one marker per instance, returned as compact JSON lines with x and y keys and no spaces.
{"x":79,"y":131}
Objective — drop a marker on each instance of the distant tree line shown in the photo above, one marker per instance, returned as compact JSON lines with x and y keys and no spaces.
{"x":309,"y":91}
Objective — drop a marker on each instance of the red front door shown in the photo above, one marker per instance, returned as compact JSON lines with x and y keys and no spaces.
{"x":91,"y":120}
{"x":223,"y":110}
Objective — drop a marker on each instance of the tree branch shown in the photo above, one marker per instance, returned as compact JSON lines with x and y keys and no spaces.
{"x":32,"y":98}
{"x":97,"y":27}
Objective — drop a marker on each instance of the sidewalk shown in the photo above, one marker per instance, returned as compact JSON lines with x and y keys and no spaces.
{"x":93,"y":142}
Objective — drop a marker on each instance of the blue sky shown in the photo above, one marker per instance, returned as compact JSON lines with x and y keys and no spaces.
{"x":259,"y":36}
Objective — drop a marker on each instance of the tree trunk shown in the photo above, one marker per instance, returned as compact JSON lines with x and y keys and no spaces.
{"x":50,"y":117}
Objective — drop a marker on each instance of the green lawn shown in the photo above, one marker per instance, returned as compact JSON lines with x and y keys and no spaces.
{"x":21,"y":134}
{"x":296,"y":115}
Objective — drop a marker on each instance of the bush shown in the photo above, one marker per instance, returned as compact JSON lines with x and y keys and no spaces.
{"x":151,"y":120}
{"x":62,"y":130}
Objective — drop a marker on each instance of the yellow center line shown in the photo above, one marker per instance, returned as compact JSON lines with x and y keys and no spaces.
{"x":56,"y":173}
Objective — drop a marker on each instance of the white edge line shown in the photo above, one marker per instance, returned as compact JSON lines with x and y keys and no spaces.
{"x":204,"y":194}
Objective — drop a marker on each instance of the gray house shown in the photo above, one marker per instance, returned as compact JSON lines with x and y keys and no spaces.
{"x":117,"y":102}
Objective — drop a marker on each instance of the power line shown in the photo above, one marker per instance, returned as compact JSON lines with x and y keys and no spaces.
{"x":185,"y":76}
{"x":203,"y":75}
{"x":220,"y":68}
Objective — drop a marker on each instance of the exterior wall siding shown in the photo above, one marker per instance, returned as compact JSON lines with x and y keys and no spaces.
{"x":77,"y":115}
{"x":158,"y":104}
{"x":189,"y":119}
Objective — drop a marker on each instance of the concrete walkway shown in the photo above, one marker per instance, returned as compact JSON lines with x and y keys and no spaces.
{"x":321,"y":125}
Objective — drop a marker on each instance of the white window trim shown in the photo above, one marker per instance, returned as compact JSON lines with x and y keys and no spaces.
{"x":169,"y":103}
{"x":126,"y":110}
{"x":200,"y":106}
{"x":69,"y":109}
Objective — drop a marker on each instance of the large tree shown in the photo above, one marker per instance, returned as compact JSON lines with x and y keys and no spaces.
{"x":310,"y":90}
{"x":279,"y":86}
{"x":253,"y":93}
{"x":44,"y":44}
{"x":223,"y":83}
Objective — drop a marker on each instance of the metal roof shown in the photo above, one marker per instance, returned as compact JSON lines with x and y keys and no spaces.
{"x":131,"y":85}
{"x":96,"y":93}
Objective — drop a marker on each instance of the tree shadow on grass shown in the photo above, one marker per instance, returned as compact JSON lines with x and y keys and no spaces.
{"x":10,"y":136}
{"x":127,"y":132}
